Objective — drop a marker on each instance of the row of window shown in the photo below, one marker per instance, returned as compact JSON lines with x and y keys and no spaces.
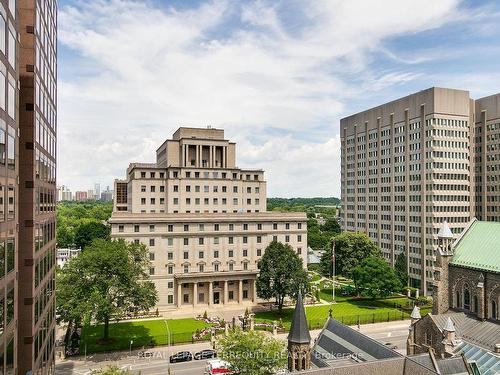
{"x":197,"y":189}
{"x":217,"y":240}
{"x":206,"y":174}
{"x":215,"y":227}
{"x":197,"y":201}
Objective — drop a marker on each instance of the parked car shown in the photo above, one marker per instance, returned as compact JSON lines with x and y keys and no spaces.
{"x":217,"y":366}
{"x":205,"y":354}
{"x":181,"y":357}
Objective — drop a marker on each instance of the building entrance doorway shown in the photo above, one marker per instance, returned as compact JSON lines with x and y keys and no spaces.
{"x":216,"y":298}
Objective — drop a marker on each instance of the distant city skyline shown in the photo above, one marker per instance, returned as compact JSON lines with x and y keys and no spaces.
{"x":277,"y":76}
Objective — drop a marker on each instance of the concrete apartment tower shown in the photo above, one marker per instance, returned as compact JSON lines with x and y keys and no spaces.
{"x":413,"y":163}
{"x":204,"y":221}
{"x":37,"y":186}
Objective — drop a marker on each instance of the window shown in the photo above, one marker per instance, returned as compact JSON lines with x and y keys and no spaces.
{"x":206,"y":188}
{"x":186,"y":241}
{"x":216,"y":267}
{"x":136,"y":228}
{"x":176,"y":188}
{"x":259,"y":252}
{"x":188,"y":188}
{"x":275,"y":238}
{"x":120,"y":228}
{"x":287,"y":238}
{"x":259,"y":226}
{"x":235,"y":189}
{"x":170,"y":255}
{"x":299,"y":250}
{"x":143,"y":200}
{"x":176,"y":200}
{"x":12,"y":51}
{"x":231,"y":267}
{"x":230,"y":295}
{"x":201,"y":267}
{"x":186,"y":255}
{"x":287,"y":226}
{"x":2,"y":86}
{"x":170,"y":227}
{"x":245,"y":252}
{"x":153,"y":189}
{"x":151,"y":256}
{"x":216,"y":227}
{"x":151,"y":242}
{"x":197,"y":188}
{"x":231,"y":226}
{"x":201,"y":227}
{"x":216,"y":253}
{"x":259,"y":239}
{"x":245,"y":239}
{"x":188,"y":201}
{"x":249,"y":190}
{"x":170,"y":284}
{"x":151,"y":270}
{"x":151,"y":227}
{"x":257,"y":190}
{"x":186,"y":227}
{"x":245,"y":294}
{"x":11,"y":104}
{"x":230,"y":253}
{"x":299,"y":238}
{"x":235,"y":201}
{"x":170,"y":299}
{"x":299,"y":225}
{"x":275,"y":226}
{"x":201,"y":241}
{"x":216,"y":240}
{"x":245,"y":266}
{"x":186,"y":298}
{"x":186,"y":268}
{"x":245,"y":226}
{"x":2,"y":35}
{"x":230,"y":240}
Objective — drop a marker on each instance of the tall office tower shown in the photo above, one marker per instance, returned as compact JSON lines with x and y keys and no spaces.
{"x":37,"y":186}
{"x":97,"y":191}
{"x":203,"y":219}
{"x":406,"y":169}
{"x":9,"y":171}
{"x":487,"y":157}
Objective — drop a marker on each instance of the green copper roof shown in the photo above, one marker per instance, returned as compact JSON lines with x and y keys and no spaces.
{"x":479,"y":247}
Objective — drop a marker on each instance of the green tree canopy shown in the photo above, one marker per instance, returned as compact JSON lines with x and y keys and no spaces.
{"x":401,"y":270}
{"x":111,"y":370}
{"x":331,"y":225}
{"x":350,"y":249}
{"x":252,"y":352}
{"x":88,"y":230}
{"x":106,"y":280}
{"x":374,"y":277}
{"x":281,"y":273}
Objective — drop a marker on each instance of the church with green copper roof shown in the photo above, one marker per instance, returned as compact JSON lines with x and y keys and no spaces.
{"x":467,"y":271}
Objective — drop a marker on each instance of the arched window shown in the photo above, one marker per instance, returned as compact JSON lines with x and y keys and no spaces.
{"x":494,"y":311}
{"x":457,"y":300}
{"x":476,"y":308}
{"x":466,"y":299}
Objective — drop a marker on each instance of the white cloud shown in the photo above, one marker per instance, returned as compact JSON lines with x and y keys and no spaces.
{"x":270,"y":73}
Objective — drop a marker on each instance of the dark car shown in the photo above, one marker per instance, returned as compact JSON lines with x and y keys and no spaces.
{"x":205,"y":354}
{"x":181,"y":357}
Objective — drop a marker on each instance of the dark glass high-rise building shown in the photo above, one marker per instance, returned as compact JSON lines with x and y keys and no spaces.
{"x":9,"y":171}
{"x":27,"y":185}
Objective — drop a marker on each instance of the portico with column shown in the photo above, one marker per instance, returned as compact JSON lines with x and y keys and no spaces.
{"x":212,"y":291}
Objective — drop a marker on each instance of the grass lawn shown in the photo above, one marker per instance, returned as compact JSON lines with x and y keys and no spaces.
{"x":141,"y":332}
{"x":366,"y":310}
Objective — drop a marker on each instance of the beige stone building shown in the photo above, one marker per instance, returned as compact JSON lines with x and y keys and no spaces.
{"x":203,"y":219}
{"x":413,"y":163}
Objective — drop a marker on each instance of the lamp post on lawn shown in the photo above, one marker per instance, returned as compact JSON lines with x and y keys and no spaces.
{"x":168,"y":342}
{"x":333,"y":271}
{"x":131,"y":342}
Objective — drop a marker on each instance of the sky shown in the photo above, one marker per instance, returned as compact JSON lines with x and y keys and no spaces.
{"x":277,"y":76}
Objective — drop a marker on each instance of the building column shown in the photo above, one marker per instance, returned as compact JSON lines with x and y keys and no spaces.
{"x":226,"y":293}
{"x":212,"y":157}
{"x":254,"y":291}
{"x":184,"y":155}
{"x":195,"y":294}
{"x":179,"y":294}
{"x":198,"y":156}
{"x":223,"y":161}
{"x":210,"y":292}
{"x":240,"y":291}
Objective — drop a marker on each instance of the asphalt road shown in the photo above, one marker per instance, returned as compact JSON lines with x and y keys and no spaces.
{"x":394,"y":333}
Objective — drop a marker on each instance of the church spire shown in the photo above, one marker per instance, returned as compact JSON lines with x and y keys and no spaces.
{"x":299,"y":339}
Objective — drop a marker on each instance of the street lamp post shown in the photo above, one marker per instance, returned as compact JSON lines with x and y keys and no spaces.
{"x":131,"y":342}
{"x":168,"y":341}
{"x":333,"y":271}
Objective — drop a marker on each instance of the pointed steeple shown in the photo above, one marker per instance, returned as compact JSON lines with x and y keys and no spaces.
{"x":415,"y":314}
{"x":299,"y":331}
{"x":449,"y":326}
{"x":445,"y":231}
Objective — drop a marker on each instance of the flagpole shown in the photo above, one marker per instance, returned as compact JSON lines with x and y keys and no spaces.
{"x":333,"y":271}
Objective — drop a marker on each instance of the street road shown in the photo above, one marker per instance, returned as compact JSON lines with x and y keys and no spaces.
{"x":394,"y":333}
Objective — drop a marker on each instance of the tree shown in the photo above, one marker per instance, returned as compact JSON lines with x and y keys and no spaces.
{"x":252,"y":352}
{"x":111,"y":370}
{"x":89,"y":230}
{"x":400,"y":267}
{"x":281,"y":273}
{"x":374,"y":277}
{"x":350,"y":249}
{"x":106,"y":280}
{"x":65,"y":236}
{"x":331,"y":225}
